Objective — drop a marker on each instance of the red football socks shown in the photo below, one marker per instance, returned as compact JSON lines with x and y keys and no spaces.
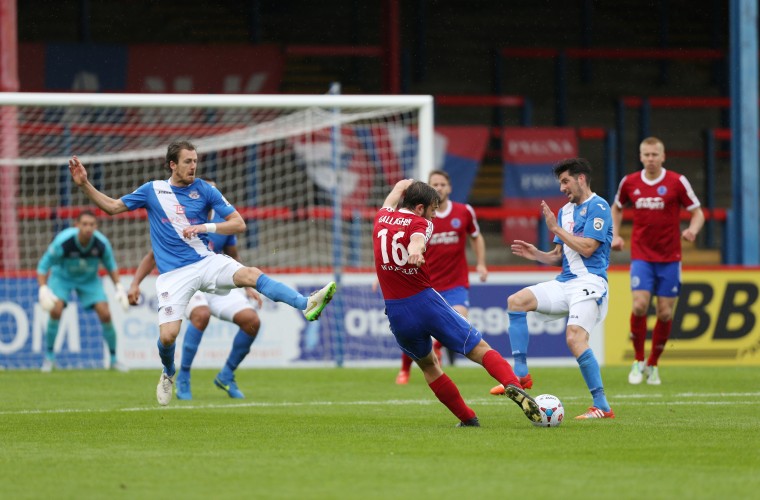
{"x":447,"y":393}
{"x":660,"y":337}
{"x":500,"y":369}
{"x":638,"y":335}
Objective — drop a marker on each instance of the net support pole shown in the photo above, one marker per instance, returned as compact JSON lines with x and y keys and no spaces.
{"x":9,"y":82}
{"x":337,"y":231}
{"x":744,"y":127}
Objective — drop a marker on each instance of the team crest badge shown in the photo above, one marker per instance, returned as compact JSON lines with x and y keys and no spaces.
{"x":583,"y":211}
{"x":194,"y":195}
{"x":455,"y":223}
{"x":168,"y":310}
{"x":164,"y":295}
{"x":661,"y":190}
{"x":598,"y":223}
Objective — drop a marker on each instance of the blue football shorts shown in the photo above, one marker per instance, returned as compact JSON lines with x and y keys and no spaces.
{"x":662,"y":279}
{"x":414,"y":320}
{"x":457,"y":296}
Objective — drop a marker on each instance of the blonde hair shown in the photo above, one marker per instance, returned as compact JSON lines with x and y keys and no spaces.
{"x":653,"y":141}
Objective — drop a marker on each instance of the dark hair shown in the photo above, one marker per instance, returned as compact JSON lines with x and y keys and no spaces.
{"x":419,"y":192}
{"x":86,"y":213}
{"x":574,"y":167}
{"x":172,"y":152}
{"x":442,"y":173}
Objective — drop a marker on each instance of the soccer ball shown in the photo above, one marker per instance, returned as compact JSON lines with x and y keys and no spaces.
{"x":552,"y":411}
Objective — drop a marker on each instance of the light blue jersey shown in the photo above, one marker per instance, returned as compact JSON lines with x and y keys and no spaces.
{"x":590,"y":219}
{"x":68,"y":261}
{"x":170,"y":210}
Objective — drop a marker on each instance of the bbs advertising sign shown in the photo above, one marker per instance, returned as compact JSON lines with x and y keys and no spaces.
{"x":715,"y":320}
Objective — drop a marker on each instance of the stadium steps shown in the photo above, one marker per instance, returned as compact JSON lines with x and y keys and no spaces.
{"x":487,"y":188}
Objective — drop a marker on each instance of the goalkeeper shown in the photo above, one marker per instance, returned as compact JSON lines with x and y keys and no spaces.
{"x":69,"y":264}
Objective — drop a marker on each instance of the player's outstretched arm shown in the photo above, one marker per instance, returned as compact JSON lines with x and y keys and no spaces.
{"x":391,"y":201}
{"x":105,"y":203}
{"x":233,"y":224}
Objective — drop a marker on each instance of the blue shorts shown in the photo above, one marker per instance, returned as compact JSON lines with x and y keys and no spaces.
{"x":457,"y":296}
{"x":89,"y":293}
{"x":662,"y":279}
{"x":417,"y":318}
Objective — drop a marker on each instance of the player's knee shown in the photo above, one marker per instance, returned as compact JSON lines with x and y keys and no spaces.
{"x":199,"y":317}
{"x":248,"y":321}
{"x":517,"y":302}
{"x":246,"y":276}
{"x":577,"y":339}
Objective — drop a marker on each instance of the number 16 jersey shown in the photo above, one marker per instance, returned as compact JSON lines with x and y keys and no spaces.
{"x":390,"y":239}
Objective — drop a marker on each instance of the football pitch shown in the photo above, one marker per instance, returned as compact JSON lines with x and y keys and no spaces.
{"x":353,"y":433}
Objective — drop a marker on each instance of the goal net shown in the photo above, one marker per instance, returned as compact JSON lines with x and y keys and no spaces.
{"x":307,"y":173}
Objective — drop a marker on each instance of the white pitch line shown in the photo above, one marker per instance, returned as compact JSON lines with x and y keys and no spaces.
{"x":718,"y":399}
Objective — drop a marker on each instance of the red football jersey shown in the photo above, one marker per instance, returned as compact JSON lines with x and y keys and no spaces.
{"x":446,"y":250}
{"x":390,"y":239}
{"x":656,"y":217}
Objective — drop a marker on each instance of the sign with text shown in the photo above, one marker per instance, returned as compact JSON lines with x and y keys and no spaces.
{"x":715,"y":320}
{"x":528,"y":157}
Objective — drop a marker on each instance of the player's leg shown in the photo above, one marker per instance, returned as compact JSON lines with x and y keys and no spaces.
{"x":198,"y":313}
{"x":409,"y":322}
{"x":406,"y":368}
{"x":518,"y":306}
{"x":642,"y":285}
{"x":458,"y":298}
{"x":51,"y":333}
{"x":61,"y":288}
{"x":238,"y":310}
{"x":667,"y":289}
{"x":311,"y":306}
{"x":584,"y":315}
{"x":92,"y":296}
{"x":458,"y":335}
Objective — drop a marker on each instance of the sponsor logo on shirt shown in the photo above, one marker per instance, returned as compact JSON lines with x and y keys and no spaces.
{"x":444,"y":238}
{"x":179,"y":209}
{"x":161,"y":191}
{"x":655,"y":203}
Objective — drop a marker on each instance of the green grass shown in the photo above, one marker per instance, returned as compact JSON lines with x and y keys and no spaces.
{"x":352,"y":433}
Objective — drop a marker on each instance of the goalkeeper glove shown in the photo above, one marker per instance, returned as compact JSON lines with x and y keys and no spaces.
{"x":121,"y":296}
{"x":47,"y":298}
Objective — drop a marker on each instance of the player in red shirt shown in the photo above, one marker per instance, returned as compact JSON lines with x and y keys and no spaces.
{"x":454,"y":223}
{"x":657,"y":196}
{"x":416,"y":312}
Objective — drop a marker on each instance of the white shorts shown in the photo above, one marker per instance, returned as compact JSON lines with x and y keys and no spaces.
{"x":583,"y":300}
{"x":175,"y":288}
{"x":222,"y":306}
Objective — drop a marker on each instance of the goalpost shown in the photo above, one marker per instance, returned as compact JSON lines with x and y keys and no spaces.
{"x":306,"y":172}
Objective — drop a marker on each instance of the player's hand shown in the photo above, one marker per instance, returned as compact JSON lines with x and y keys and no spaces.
{"x":121,"y":296}
{"x":482,"y":272}
{"x":254,"y":295}
{"x":78,"y":172}
{"x":689,"y":235}
{"x":375,"y":286}
{"x":47,"y":298}
{"x":133,"y":294}
{"x":549,"y":217}
{"x":618,"y":243}
{"x":416,"y":259}
{"x":524,"y":249}
{"x":191,"y":231}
